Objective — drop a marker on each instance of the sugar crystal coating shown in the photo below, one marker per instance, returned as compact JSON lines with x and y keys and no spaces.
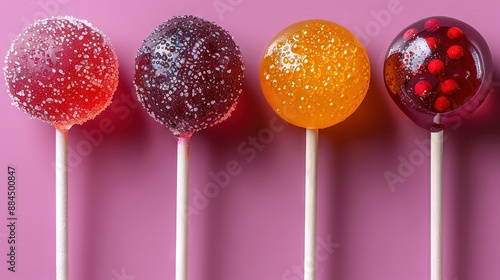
{"x":441,"y":74}
{"x":189,"y":74}
{"x":315,"y":74}
{"x":62,"y":71}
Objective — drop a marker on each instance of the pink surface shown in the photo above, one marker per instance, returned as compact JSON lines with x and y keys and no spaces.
{"x":122,"y":179}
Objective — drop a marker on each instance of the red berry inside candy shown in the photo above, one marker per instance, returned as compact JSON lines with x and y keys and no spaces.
{"x":62,"y":71}
{"x":432,"y":24}
{"x":423,"y":88}
{"x":455,"y":33}
{"x":189,"y":74}
{"x":409,"y":34}
{"x":455,"y":52}
{"x":436,"y":66}
{"x":442,"y":104}
{"x":449,"y":86}
{"x":431,"y":42}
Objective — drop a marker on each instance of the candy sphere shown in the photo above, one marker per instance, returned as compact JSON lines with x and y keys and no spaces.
{"x":61,"y":70}
{"x":438,"y":71}
{"x":314,"y":74}
{"x":189,"y":74}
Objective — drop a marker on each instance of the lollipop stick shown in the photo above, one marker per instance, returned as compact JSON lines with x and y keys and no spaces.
{"x":181,"y":241}
{"x":436,"y":205}
{"x":61,"y":204}
{"x":311,"y":194}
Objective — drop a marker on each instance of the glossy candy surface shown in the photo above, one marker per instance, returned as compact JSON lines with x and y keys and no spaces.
{"x":189,"y":74}
{"x":438,"y":71}
{"x":61,"y":70}
{"x":315,"y":74}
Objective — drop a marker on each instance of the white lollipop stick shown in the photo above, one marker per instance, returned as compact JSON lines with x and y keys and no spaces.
{"x":61,"y":204}
{"x":311,"y":205}
{"x":181,"y":229}
{"x":436,"y":205}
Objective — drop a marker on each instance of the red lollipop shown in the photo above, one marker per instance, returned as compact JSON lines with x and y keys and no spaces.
{"x":62,"y":71}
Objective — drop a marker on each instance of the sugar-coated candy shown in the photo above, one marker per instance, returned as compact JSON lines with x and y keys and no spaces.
{"x":189,"y":74}
{"x":315,"y":73}
{"x":440,"y":74}
{"x":61,"y":70}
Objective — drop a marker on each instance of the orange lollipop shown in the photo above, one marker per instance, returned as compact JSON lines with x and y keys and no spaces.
{"x":314,"y":74}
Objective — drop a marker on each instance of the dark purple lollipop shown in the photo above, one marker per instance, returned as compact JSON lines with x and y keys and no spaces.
{"x":438,"y":71}
{"x":189,"y":74}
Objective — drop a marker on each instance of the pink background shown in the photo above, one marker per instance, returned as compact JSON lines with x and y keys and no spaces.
{"x":122,"y":180}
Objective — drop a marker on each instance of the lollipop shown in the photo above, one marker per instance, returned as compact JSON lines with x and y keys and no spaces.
{"x":314,"y":74}
{"x":438,"y":71}
{"x":62,"y":71}
{"x":188,"y":76}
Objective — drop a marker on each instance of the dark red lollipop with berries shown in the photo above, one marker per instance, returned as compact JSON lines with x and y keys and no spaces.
{"x":438,"y":71}
{"x":61,"y":70}
{"x":189,"y":74}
